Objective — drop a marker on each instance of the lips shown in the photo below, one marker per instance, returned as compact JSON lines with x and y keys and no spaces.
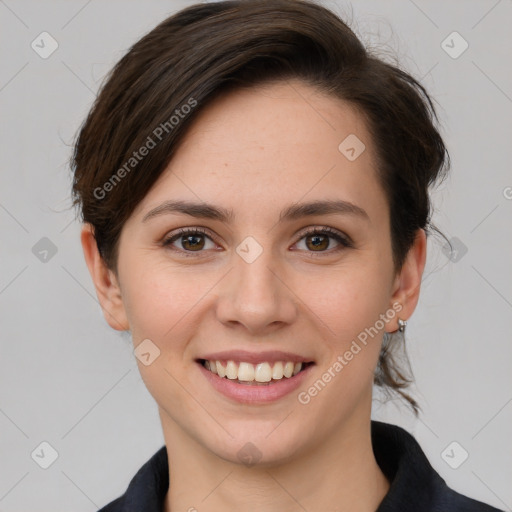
{"x":253,"y":392}
{"x":251,"y":377}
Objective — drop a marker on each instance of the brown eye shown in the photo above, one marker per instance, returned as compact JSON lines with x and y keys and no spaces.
{"x":318,"y":240}
{"x":190,"y":240}
{"x":193,"y":242}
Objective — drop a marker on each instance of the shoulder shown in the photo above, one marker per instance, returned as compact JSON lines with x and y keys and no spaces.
{"x":147,"y":489}
{"x":414,"y":484}
{"x":113,"y":506}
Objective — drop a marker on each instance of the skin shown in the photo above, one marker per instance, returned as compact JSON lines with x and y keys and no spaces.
{"x":257,"y":151}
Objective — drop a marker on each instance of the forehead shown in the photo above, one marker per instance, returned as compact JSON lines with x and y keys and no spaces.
{"x":272,"y":144}
{"x":287,"y":119}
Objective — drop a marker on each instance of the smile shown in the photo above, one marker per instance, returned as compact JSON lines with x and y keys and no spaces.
{"x":254,"y":374}
{"x":254,"y":383}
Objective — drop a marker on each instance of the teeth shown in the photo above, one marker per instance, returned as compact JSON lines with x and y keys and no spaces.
{"x":288,"y":369}
{"x":263,"y":373}
{"x":277,"y":371}
{"x":231,"y":370}
{"x":220,"y":369}
{"x":247,"y":372}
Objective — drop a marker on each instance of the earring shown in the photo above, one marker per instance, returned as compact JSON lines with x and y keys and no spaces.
{"x":401,"y":325}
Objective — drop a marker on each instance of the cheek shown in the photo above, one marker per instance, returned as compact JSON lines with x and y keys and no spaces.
{"x":159,"y":298}
{"x":347,"y":301}
{"x":159,"y":304}
{"x":349,"y":306}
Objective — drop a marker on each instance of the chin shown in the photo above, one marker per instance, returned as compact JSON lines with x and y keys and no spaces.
{"x":258,"y":446}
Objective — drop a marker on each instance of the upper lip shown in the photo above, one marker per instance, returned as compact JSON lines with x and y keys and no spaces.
{"x":269,"y":356}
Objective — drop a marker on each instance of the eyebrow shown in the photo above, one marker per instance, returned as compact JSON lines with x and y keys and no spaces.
{"x":292,"y":212}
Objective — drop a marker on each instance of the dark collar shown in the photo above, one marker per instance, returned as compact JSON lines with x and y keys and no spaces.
{"x":415,"y":485}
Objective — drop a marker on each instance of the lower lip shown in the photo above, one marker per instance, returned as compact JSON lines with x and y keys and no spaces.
{"x":255,"y":394}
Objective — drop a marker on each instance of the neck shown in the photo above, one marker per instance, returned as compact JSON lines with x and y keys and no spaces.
{"x":339,"y":474}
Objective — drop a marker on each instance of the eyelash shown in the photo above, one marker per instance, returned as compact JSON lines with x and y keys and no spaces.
{"x":344,"y":241}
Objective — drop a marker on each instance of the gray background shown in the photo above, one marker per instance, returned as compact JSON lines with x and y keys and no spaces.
{"x":68,"y":379}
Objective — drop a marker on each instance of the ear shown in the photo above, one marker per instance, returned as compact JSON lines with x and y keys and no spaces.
{"x":105,"y":282}
{"x":406,"y":287}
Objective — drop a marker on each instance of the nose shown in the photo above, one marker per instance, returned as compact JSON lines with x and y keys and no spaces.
{"x":256,"y":297}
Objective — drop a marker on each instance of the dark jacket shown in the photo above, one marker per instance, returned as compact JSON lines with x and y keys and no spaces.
{"x":415,"y":485}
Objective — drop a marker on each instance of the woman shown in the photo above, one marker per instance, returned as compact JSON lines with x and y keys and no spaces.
{"x":254,"y":187}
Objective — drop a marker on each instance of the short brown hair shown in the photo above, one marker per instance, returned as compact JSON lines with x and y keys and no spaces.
{"x":205,"y":49}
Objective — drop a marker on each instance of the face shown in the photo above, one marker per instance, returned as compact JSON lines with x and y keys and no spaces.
{"x":267,"y":284}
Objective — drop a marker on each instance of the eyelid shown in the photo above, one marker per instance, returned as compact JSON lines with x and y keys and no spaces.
{"x":335,"y":233}
{"x":191,"y":230}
